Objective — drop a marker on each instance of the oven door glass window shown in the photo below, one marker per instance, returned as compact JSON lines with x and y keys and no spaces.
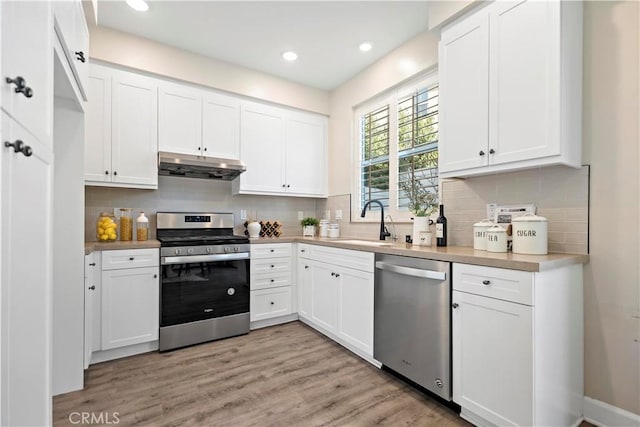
{"x":203,"y":290}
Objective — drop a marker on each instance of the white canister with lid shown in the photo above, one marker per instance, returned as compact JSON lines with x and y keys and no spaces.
{"x":480,"y":234}
{"x":324,"y":228}
{"x":496,"y":239}
{"x":529,"y":234}
{"x":334,"y":230}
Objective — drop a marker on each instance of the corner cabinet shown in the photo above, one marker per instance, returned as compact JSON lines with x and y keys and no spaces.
{"x":198,"y":122}
{"x":121,"y":129}
{"x":517,"y":345}
{"x":335,"y":288}
{"x":285,"y":152}
{"x":511,"y":88}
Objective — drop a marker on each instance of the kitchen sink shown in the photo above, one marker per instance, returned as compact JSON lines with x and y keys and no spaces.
{"x":366,"y":242}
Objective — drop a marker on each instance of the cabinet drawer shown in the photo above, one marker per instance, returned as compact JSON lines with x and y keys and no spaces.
{"x":265,"y":281}
{"x":130,"y":258}
{"x":500,"y":283}
{"x":303,"y":251}
{"x":343,"y":257}
{"x":270,"y":265}
{"x":271,"y":250}
{"x":268,"y":303}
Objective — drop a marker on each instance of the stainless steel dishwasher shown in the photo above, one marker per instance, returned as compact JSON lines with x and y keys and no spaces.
{"x":412,"y":320}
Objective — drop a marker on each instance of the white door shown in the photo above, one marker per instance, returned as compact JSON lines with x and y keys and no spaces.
{"x":25,"y":267}
{"x":493,"y":358}
{"x":355,"y":324}
{"x":220,"y":126}
{"x":180,"y":119}
{"x":134,"y":139}
{"x":324,"y":296}
{"x":464,"y":95}
{"x":305,"y":155}
{"x":97,"y":128}
{"x":130,"y":306}
{"x":27,"y":52}
{"x":525,"y":78}
{"x":261,"y":148}
{"x":303,"y":282}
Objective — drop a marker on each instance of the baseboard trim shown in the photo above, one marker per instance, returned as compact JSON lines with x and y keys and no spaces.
{"x":604,"y":415}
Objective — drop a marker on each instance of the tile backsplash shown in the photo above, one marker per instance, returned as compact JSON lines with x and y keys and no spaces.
{"x":188,"y":194}
{"x":561,"y":194}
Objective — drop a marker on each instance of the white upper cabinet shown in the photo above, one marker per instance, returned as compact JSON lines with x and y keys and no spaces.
{"x":510,"y":82}
{"x":198,"y":122}
{"x":27,"y":61}
{"x":179,"y":119}
{"x":121,"y":129}
{"x":285,"y":152}
{"x":73,"y":33}
{"x":220,"y":126}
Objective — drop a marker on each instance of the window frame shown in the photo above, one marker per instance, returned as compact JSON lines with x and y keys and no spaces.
{"x":389,"y":97}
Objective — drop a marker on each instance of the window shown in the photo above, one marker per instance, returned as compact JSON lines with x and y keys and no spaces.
{"x":397,"y":140}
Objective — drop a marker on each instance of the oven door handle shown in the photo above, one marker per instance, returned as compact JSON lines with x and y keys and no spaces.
{"x":203,"y":258}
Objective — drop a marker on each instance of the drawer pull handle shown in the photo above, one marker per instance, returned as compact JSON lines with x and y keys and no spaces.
{"x":272,"y":266}
{"x":306,"y":267}
{"x":303,"y":250}
{"x":271,"y":250}
{"x":155,"y":276}
{"x":486,"y":282}
{"x":333,"y":274}
{"x":337,"y":275}
{"x":93,"y":264}
{"x":272,"y":280}
{"x":131,"y":258}
{"x":272,"y":303}
{"x":454,"y":305}
{"x":92,"y":287}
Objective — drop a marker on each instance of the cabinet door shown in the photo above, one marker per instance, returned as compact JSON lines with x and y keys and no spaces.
{"x":27,"y":52}
{"x":134,"y":139}
{"x":97,"y":127}
{"x":130,"y":301}
{"x":220,"y":126}
{"x":525,"y":78}
{"x":303,"y":282}
{"x":305,"y":155}
{"x":25,"y":284}
{"x":91,"y":299}
{"x":180,"y":119}
{"x":464,"y":94}
{"x":324,"y":296}
{"x":261,"y":148}
{"x":71,"y":27}
{"x":356,"y":309}
{"x":493,"y":358}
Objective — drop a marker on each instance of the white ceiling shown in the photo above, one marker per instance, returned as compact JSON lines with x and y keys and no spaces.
{"x":253,"y":34}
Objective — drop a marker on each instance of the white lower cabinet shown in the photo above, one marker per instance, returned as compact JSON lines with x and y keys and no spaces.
{"x":272,"y":298}
{"x":122,"y":303}
{"x":335,"y":298}
{"x":517,"y":345}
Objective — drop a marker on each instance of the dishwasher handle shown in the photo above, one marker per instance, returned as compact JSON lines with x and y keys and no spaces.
{"x":410,"y":271}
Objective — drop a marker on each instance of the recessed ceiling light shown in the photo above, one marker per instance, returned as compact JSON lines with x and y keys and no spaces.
{"x":290,"y":56}
{"x":365,"y":47}
{"x":139,"y":5}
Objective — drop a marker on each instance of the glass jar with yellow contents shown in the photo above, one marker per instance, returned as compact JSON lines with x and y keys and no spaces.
{"x":126,"y":224}
{"x":106,"y":228}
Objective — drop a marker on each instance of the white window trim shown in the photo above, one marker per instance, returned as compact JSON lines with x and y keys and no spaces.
{"x":391,"y":98}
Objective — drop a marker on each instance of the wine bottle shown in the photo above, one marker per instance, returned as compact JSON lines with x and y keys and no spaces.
{"x":441,"y":228}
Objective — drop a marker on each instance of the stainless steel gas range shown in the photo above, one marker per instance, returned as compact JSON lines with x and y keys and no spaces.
{"x":204,"y":282}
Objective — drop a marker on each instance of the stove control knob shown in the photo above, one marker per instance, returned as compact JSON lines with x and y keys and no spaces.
{"x":235,"y":249}
{"x":226,"y":249}
{"x":177,"y":251}
{"x":209,"y":250}
{"x":190,"y":250}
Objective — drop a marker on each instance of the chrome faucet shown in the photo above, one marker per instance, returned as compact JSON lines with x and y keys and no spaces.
{"x":383,"y":230}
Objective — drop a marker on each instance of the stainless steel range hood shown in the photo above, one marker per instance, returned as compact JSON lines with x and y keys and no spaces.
{"x":189,"y":166}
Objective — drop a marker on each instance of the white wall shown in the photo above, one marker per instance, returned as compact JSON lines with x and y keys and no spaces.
{"x":441,"y":11}
{"x":611,"y":141}
{"x":144,"y":54}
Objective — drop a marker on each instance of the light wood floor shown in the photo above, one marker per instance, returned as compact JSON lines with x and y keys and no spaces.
{"x":286,"y":375}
